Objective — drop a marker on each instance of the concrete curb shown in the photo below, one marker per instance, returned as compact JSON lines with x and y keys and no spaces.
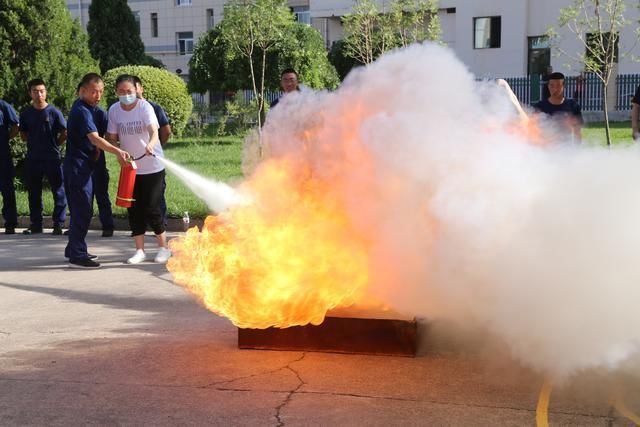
{"x":121,"y":224}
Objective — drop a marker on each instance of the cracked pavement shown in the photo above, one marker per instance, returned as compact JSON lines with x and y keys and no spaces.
{"x":124,"y":346}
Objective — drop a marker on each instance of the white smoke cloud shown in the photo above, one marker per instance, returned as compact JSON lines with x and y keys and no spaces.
{"x":468,"y":221}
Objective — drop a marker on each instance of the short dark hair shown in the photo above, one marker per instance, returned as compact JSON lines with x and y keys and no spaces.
{"x":90,"y":78}
{"x":137,"y":80}
{"x":556,"y":76}
{"x":126,"y":78}
{"x":287,"y":71}
{"x":35,"y":82}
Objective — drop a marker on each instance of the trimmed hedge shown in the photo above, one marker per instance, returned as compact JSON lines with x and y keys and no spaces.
{"x":160,"y":86}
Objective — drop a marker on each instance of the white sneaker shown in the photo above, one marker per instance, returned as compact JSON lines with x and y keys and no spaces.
{"x":138,"y":257}
{"x":163,"y":255}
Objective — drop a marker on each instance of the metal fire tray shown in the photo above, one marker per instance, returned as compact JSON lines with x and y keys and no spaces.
{"x":388,"y":337}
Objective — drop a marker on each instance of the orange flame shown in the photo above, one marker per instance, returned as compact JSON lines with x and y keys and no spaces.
{"x":284,"y":260}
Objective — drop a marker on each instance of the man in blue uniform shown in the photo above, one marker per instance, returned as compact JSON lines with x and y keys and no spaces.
{"x":566,"y":113}
{"x":44,"y":129}
{"x":101,"y":177}
{"x":635,"y":115}
{"x":82,"y":145}
{"x":164,"y":133}
{"x":8,"y":130}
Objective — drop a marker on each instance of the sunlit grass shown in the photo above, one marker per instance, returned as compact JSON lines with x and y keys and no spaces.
{"x":217,"y":158}
{"x":220,"y":158}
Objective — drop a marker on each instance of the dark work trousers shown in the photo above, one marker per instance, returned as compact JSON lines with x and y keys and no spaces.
{"x":79,"y":188}
{"x":101,"y":192}
{"x":163,"y":203}
{"x":35,"y":171}
{"x":7,"y":173}
{"x":147,"y":193}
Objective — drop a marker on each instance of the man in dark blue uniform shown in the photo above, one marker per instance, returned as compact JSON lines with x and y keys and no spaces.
{"x":8,"y":130}
{"x":82,"y":145}
{"x":101,"y":177}
{"x":164,"y":133}
{"x":44,"y":129}
{"x":566,"y":113}
{"x":635,"y":115}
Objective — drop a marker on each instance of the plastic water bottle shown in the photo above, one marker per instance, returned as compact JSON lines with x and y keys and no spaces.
{"x":185,"y":221}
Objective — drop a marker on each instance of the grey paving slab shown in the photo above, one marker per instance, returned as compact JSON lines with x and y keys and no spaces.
{"x":123,"y":345}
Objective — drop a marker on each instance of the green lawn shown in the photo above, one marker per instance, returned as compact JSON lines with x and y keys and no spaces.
{"x":620,"y":133}
{"x":219,"y":158}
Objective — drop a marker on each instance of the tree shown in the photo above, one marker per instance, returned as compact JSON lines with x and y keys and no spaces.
{"x":209,"y":66}
{"x":114,"y":36}
{"x":253,"y":30}
{"x":342,"y":62}
{"x":371,"y":31}
{"x":303,"y":50}
{"x":597,"y":25}
{"x":160,"y":86}
{"x":54,"y":49}
{"x":215,"y":67}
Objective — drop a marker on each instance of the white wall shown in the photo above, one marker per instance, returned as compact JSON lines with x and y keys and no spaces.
{"x":544,"y":13}
{"x":520,"y":19}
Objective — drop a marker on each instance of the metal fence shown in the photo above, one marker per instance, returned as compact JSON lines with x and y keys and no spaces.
{"x":626,"y":85}
{"x":269,"y":96}
{"x":586,"y":89}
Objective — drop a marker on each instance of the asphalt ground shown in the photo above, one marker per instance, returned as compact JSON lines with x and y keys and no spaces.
{"x":123,"y":345}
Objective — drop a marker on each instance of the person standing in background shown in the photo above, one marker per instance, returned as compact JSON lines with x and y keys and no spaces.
{"x":44,"y":129}
{"x":565,"y":113}
{"x":8,"y":130}
{"x":635,"y":115}
{"x":100,"y":177}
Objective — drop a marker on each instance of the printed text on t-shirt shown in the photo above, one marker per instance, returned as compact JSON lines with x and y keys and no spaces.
{"x":131,"y":128}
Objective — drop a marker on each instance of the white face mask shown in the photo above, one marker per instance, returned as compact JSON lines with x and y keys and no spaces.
{"x":127,"y":99}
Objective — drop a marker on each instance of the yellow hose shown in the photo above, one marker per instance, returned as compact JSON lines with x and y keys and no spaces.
{"x":621,"y":407}
{"x":542,"y":410}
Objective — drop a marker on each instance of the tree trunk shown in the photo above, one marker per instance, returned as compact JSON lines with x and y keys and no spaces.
{"x":605,"y":108}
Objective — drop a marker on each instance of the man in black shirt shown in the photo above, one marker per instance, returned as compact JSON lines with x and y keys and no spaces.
{"x":635,"y":114}
{"x":566,"y":113}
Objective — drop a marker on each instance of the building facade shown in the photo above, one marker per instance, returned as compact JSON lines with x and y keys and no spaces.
{"x":494,"y":38}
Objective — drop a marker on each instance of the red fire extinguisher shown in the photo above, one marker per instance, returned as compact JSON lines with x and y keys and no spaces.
{"x":125,"y":199}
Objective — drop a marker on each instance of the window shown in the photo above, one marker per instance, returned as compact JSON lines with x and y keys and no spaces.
{"x":185,"y":43}
{"x":136,"y":16}
{"x":183,"y":2}
{"x":600,"y":49}
{"x":302,"y":14}
{"x":154,"y":25}
{"x":210,"y":23}
{"x":539,"y":55}
{"x":486,"y":32}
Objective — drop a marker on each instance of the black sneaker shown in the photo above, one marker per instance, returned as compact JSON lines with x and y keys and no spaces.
{"x":84,"y":263}
{"x":57,"y":231}
{"x":9,"y":230}
{"x":66,"y":232}
{"x":90,"y":256}
{"x":107,"y":233}
{"x":32,"y":230}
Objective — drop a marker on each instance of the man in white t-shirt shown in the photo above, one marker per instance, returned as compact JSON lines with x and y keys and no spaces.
{"x":133,"y":122}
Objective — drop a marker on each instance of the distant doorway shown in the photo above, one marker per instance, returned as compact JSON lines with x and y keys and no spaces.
{"x":539,"y":55}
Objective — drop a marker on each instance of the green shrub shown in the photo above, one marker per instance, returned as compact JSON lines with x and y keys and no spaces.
{"x":160,"y":86}
{"x":238,"y":118}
